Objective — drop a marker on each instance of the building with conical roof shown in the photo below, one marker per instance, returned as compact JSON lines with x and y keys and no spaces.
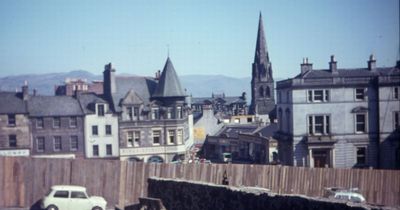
{"x":153,"y":115}
{"x":169,"y":84}
{"x":262,"y":82}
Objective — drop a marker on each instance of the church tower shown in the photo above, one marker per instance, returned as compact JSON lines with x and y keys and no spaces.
{"x":262,"y":82}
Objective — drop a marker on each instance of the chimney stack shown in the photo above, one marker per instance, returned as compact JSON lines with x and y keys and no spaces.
{"x":158,"y":75}
{"x":372,"y":63}
{"x":110,"y":85}
{"x":305,"y":66}
{"x":333,"y":65}
{"x":25,"y":91}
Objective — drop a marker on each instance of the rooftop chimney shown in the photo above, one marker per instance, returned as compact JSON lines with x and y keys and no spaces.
{"x":333,"y":65}
{"x":110,"y":86}
{"x":372,"y":63}
{"x":305,"y":66}
{"x":158,"y":75}
{"x":25,"y":91}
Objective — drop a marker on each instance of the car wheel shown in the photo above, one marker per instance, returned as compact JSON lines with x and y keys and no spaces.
{"x":97,"y":208}
{"x":52,"y":207}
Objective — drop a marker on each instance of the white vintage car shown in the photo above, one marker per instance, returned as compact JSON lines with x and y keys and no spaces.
{"x":69,"y":197}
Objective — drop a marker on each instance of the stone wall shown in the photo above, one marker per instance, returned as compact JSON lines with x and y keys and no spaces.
{"x":184,"y":195}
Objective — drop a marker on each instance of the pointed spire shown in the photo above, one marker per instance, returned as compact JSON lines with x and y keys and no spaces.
{"x":261,"y":55}
{"x":169,"y":84}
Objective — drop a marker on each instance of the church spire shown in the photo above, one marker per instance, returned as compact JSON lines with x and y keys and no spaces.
{"x":261,"y":55}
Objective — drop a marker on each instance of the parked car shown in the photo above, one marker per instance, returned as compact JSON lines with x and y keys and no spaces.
{"x":351,"y":194}
{"x":69,"y":197}
{"x":226,"y":157}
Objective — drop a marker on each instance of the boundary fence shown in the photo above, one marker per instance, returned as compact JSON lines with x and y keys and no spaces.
{"x":23,"y":181}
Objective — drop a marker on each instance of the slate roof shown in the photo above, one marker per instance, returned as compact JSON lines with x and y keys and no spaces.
{"x":143,"y":87}
{"x":234,"y":130}
{"x":169,"y":84}
{"x":12,"y":103}
{"x":87,"y":102}
{"x":269,"y":130}
{"x":358,"y":72}
{"x":43,"y":106}
{"x":228,"y":100}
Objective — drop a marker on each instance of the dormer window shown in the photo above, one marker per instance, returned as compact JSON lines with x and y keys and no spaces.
{"x":136,"y":112}
{"x":155,"y":114}
{"x":100,"y":109}
{"x":133,"y":113}
{"x":169,"y":113}
{"x":178,"y":112}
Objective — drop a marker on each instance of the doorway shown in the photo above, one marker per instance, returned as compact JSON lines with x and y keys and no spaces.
{"x":321,"y":158}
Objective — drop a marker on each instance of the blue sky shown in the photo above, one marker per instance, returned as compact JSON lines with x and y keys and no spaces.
{"x":204,"y":37}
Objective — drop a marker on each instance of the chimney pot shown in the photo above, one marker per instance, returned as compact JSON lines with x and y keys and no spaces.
{"x":333,"y":65}
{"x":333,"y":58}
{"x":305,"y":66}
{"x":372,"y":63}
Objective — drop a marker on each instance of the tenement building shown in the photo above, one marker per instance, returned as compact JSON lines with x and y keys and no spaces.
{"x":14,"y":123}
{"x":262,"y":82}
{"x":57,"y":126}
{"x":100,"y":127}
{"x":153,"y":114}
{"x":340,"y":117}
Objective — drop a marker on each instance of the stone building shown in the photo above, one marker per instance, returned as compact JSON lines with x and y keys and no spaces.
{"x":153,"y":115}
{"x":14,"y":123}
{"x":57,"y":126}
{"x":226,"y":105}
{"x":205,"y":124}
{"x":340,"y":117}
{"x":100,"y":127}
{"x":246,"y":143}
{"x":71,"y":85}
{"x":262,"y":82}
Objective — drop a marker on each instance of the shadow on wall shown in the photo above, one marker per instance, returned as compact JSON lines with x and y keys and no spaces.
{"x":390,"y":151}
{"x":300,"y":153}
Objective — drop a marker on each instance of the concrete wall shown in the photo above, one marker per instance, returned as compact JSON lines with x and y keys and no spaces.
{"x":182,"y":195}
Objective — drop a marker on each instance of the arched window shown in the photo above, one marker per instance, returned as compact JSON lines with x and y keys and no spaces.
{"x":261,"y":91}
{"x":267,"y":92}
{"x":155,"y":159}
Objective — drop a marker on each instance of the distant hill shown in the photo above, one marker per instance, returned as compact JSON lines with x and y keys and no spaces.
{"x":43,"y":83}
{"x":196,"y":85}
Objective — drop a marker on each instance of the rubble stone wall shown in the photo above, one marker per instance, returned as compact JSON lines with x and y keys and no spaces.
{"x":184,"y":195}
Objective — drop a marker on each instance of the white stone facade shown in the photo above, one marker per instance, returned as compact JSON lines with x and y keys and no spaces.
{"x":101,"y":143}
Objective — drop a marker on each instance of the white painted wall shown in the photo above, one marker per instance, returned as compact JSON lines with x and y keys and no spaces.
{"x":101,"y":139}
